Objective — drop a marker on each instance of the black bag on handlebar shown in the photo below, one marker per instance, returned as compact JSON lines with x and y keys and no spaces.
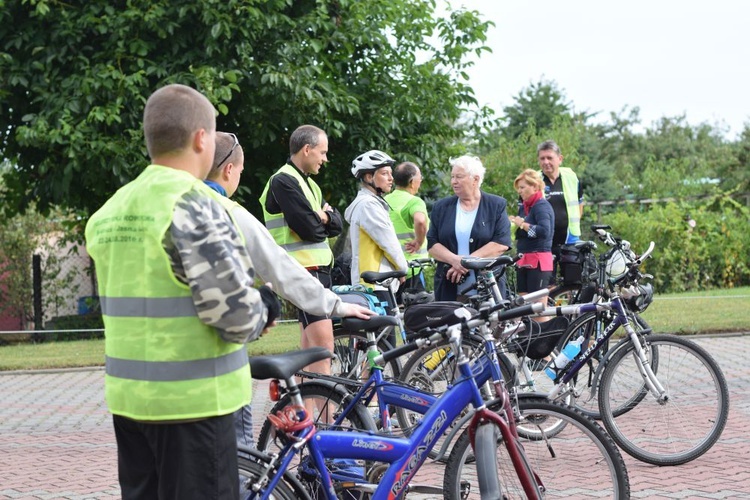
{"x":432,"y":314}
{"x":576,"y":264}
{"x":539,"y":339}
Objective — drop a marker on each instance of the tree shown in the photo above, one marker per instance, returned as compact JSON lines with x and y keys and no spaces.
{"x":21,"y":237}
{"x":537,"y":106}
{"x":74,"y":79}
{"x":514,"y":155}
{"x":735,"y":174}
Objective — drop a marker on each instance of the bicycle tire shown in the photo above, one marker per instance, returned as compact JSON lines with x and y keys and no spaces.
{"x":675,"y":431}
{"x":435,"y":380}
{"x":485,"y":445}
{"x":318,"y":391}
{"x":589,"y":325}
{"x":586,"y":461}
{"x":250,"y":471}
{"x":350,"y":356}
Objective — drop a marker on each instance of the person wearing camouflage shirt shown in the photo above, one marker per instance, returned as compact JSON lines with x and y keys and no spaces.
{"x":176,"y":291}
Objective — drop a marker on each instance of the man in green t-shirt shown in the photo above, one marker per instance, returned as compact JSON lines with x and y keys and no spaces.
{"x":409,"y":215}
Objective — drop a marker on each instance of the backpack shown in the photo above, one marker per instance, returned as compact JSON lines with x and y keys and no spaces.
{"x":361,"y":295}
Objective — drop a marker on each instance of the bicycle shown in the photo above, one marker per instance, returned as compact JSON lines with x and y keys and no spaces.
{"x":405,"y":455}
{"x":475,"y":377}
{"x":592,"y":286}
{"x":662,"y":398}
{"x":434,"y":369}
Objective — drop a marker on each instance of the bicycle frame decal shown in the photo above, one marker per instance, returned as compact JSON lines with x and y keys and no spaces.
{"x":372,"y":445}
{"x":415,"y":400}
{"x":619,"y":320}
{"x":418,"y":457}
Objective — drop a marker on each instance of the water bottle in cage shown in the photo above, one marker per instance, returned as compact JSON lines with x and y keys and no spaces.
{"x":569,"y":352}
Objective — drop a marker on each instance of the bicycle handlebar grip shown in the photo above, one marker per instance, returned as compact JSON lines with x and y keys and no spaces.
{"x":398,"y":352}
{"x":412,"y":336}
{"x":518,"y":312}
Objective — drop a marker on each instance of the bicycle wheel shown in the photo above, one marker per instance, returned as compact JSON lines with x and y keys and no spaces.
{"x":350,"y":356}
{"x":563,"y":295}
{"x":681,"y":426}
{"x":580,"y":461}
{"x":327,"y":401}
{"x":432,"y":370}
{"x":486,"y":442}
{"x":590,"y":326}
{"x":250,"y":471}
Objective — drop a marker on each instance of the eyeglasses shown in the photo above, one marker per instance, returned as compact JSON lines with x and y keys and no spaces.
{"x":231,"y":150}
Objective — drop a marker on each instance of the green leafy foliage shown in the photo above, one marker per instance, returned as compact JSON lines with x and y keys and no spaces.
{"x":619,"y":161}
{"x":21,"y":237}
{"x":76,"y":323}
{"x":74,"y":79}
{"x":515,"y":155}
{"x":711,"y":255}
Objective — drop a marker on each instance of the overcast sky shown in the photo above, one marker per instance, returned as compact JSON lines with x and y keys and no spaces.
{"x":666,"y":57}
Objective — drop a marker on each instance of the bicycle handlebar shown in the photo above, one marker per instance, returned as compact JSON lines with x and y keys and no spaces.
{"x":421,"y":262}
{"x":637,"y":262}
{"x":475,"y":320}
{"x":530,"y":297}
{"x":407,"y":348}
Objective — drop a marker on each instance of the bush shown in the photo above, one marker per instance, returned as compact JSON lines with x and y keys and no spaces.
{"x":75,"y":322}
{"x":713,"y":254}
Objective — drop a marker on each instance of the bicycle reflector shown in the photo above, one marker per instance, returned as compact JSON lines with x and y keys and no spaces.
{"x":274,"y":390}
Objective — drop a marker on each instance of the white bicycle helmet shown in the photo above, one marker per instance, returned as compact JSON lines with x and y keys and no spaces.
{"x":369,"y":162}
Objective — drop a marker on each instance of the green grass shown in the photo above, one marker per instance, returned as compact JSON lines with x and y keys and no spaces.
{"x":692,"y":312}
{"x":708,"y":311}
{"x":74,"y":354}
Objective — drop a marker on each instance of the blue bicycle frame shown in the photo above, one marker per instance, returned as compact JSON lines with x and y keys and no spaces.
{"x":406,"y":455}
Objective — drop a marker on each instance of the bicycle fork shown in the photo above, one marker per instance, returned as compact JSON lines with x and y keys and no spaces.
{"x":644,"y":367}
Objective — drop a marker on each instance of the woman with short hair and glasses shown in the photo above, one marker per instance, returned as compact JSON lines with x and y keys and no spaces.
{"x":472,"y":222}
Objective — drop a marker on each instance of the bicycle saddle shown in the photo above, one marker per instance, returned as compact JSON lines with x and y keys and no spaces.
{"x":283,"y":366}
{"x":485,"y":262}
{"x":372,"y":277}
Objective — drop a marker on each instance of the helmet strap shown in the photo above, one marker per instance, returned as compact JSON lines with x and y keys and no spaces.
{"x":377,"y":190}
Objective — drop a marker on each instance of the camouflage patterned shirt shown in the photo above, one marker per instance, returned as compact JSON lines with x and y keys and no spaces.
{"x":207,"y":254}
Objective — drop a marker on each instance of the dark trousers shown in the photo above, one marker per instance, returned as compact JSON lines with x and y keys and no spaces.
{"x":196,"y":460}
{"x":532,"y":279}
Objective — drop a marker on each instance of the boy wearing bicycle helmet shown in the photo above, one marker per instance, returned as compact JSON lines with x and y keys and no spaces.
{"x":375,"y":246}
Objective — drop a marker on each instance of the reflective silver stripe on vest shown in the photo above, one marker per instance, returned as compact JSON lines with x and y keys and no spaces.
{"x":275,"y":223}
{"x":304,"y":245}
{"x":421,"y":251}
{"x":403,"y":236}
{"x":143,"y":307}
{"x":175,"y":371}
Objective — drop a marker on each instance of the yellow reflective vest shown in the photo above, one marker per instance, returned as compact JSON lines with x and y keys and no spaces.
{"x":572,"y":203}
{"x":162,"y":362}
{"x":307,"y":253}
{"x":402,"y":205}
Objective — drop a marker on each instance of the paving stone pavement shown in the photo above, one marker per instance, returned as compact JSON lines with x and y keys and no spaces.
{"x":57,"y":442}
